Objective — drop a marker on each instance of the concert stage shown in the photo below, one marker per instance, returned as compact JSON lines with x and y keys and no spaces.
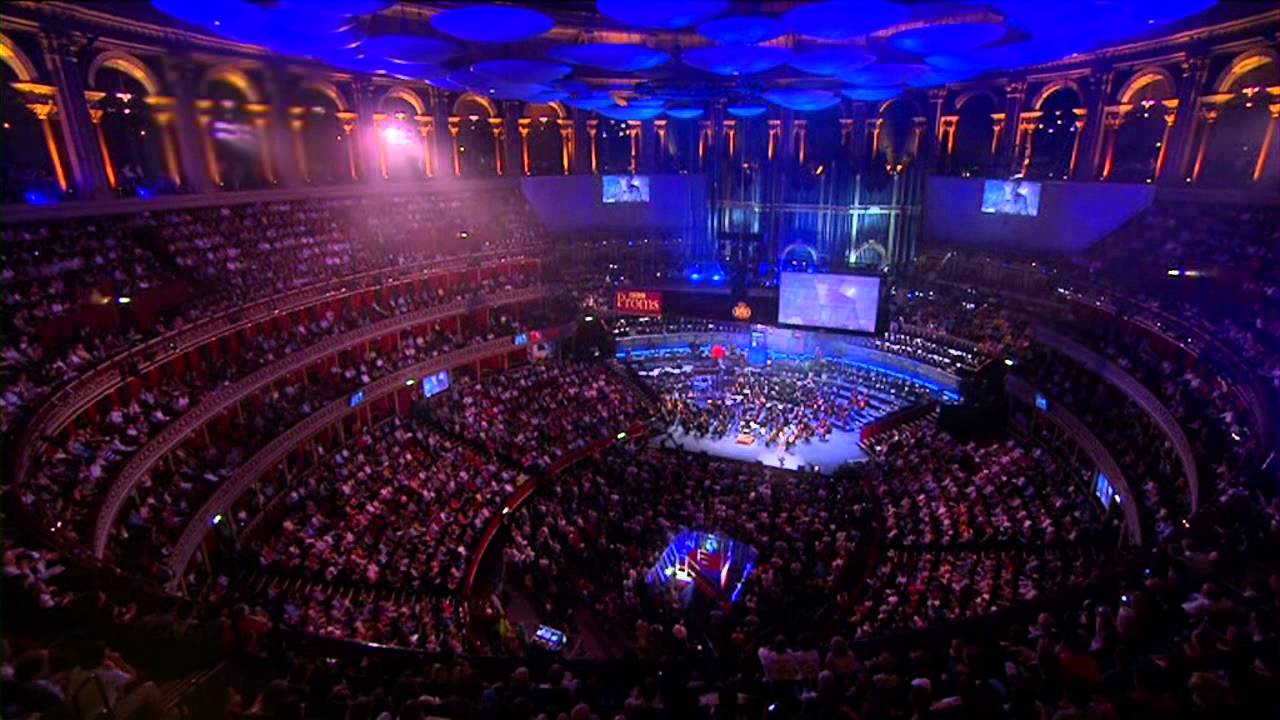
{"x":841,"y":447}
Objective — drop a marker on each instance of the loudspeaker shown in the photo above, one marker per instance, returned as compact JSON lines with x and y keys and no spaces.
{"x":982,"y":414}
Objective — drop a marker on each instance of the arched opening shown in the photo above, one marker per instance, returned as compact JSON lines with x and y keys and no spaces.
{"x":324,"y":144}
{"x":614,"y":147}
{"x":28,"y":170}
{"x":400,"y":142}
{"x":132,"y":137}
{"x":1236,"y":136}
{"x":477,"y":149}
{"x":971,"y":149}
{"x":544,"y":142}
{"x":1053,"y":138}
{"x":894,"y":144}
{"x":237,"y":144}
{"x":1143,"y":133}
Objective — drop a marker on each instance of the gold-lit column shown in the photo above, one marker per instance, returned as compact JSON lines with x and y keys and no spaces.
{"x":95,"y":117}
{"x":524,"y":125}
{"x":705,"y":135}
{"x":1081,"y":115}
{"x":660,"y":128}
{"x":262,"y":123}
{"x":1028,"y":123}
{"x":162,"y":112}
{"x":348,"y":120}
{"x":873,"y":134}
{"x":1111,"y":130}
{"x":495,"y":126}
{"x":997,"y":128}
{"x":1267,"y":141}
{"x":775,"y":136}
{"x":731,"y":135}
{"x":44,"y":112}
{"x":1211,"y":115}
{"x":918,"y":127}
{"x":593,"y":127}
{"x":800,"y":136}
{"x":296,"y":125}
{"x":1170,"y":117}
{"x":380,"y":144}
{"x":633,"y":134}
{"x":566,"y":143}
{"x":454,"y":128}
{"x":846,"y":132}
{"x":204,"y":118}
{"x":426,"y":130}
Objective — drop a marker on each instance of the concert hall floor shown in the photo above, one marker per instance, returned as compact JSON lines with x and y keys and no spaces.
{"x":840,"y":448}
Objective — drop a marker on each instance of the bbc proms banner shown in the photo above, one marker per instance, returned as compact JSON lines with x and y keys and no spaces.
{"x":638,"y":302}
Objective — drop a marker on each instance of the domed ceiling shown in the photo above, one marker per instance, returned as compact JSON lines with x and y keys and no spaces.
{"x":638,"y":59}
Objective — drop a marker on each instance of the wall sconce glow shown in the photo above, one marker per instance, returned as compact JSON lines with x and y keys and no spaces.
{"x":124,"y":300}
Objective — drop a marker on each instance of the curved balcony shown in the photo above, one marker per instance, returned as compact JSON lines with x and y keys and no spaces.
{"x":1135,"y":391}
{"x":66,"y":404}
{"x":1089,"y":444}
{"x":253,"y":469}
{"x":228,"y":396}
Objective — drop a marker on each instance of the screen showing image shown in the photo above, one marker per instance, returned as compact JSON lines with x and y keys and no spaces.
{"x":550,"y":637}
{"x":839,"y":302}
{"x":626,"y":189}
{"x":1011,"y":197}
{"x":435,"y":384}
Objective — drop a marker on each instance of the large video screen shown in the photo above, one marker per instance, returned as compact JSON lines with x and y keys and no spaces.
{"x":1011,"y":197}
{"x":626,"y":189}
{"x":839,"y":302}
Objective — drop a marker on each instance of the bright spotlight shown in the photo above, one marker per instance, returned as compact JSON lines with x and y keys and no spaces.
{"x":395,"y":135}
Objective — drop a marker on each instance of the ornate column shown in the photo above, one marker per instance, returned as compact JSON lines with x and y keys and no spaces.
{"x":348,"y":120}
{"x":1170,"y":118}
{"x":731,"y":136}
{"x":947,"y":140}
{"x":514,"y":157}
{"x":455,"y":125}
{"x":204,"y":118}
{"x":997,"y":131}
{"x":660,"y":147}
{"x":1269,"y":139}
{"x":593,"y":128}
{"x":633,"y":135}
{"x":163,"y":113}
{"x":706,"y":140}
{"x":918,"y":127}
{"x":378,"y":119}
{"x":368,"y":141}
{"x":1210,"y":111}
{"x":1015,"y":93}
{"x":775,"y":137}
{"x":874,"y":126}
{"x":191,"y":135}
{"x":426,"y":130}
{"x":1080,"y":123}
{"x":44,"y":109}
{"x":1100,"y":90}
{"x":297,"y":123}
{"x":1111,"y":129}
{"x":567,"y":146}
{"x":524,"y":125}
{"x":276,"y":131}
{"x":262,"y":124}
{"x":495,"y":127}
{"x":1195,"y":73}
{"x":95,"y":117}
{"x":799,"y":137}
{"x":937,"y":100}
{"x":1024,"y":140}
{"x":78,"y":134}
